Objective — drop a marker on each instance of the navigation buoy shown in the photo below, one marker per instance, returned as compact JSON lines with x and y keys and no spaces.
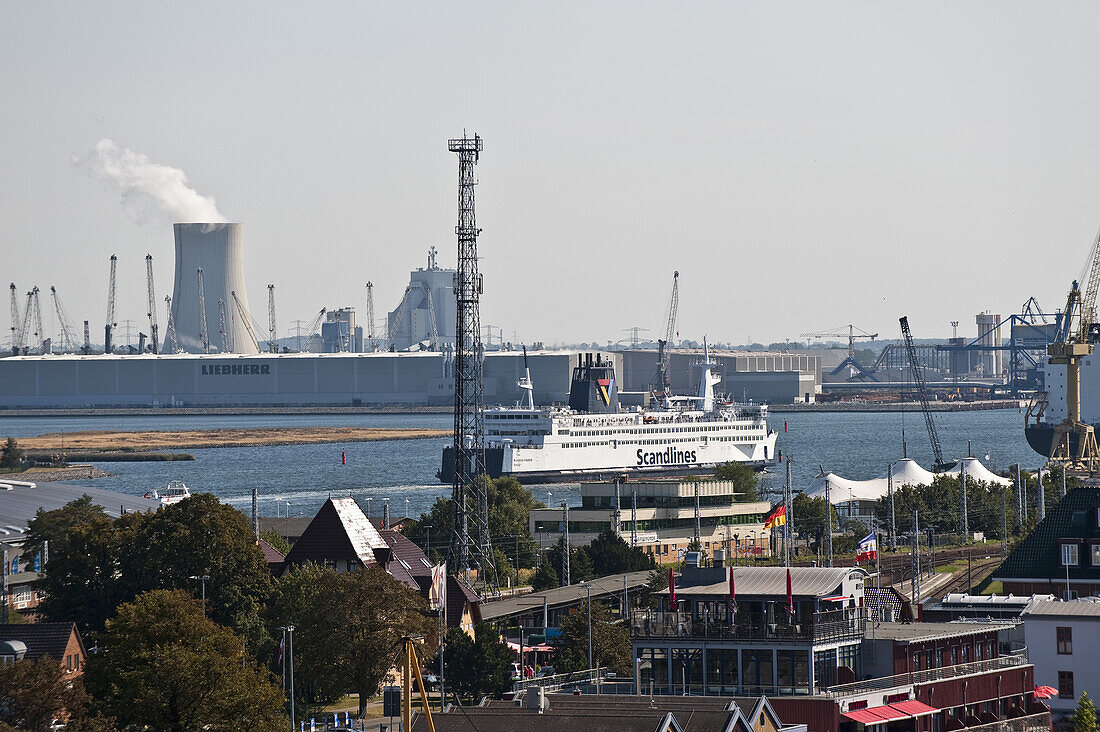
{"x":784,"y":425}
{"x":343,"y":458}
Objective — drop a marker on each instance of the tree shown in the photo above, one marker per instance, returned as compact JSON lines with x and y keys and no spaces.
{"x":478,"y":666}
{"x":276,"y":541}
{"x":164,"y":665}
{"x":812,"y":516}
{"x":348,"y":628}
{"x":742,"y":476}
{"x":610,"y":641}
{"x":1083,"y":718}
{"x":610,"y":554}
{"x":11,"y":456}
{"x":545,"y":578}
{"x":510,"y":507}
{"x":657,"y":581}
{"x":96,"y":563}
{"x":34,"y":693}
{"x":580,"y":563}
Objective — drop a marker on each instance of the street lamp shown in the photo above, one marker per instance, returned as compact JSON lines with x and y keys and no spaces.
{"x":406,"y":508}
{"x":202,"y":578}
{"x":588,"y":589}
{"x":289,"y":629}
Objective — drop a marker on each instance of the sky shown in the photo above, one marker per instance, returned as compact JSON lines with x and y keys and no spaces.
{"x":803,"y":165}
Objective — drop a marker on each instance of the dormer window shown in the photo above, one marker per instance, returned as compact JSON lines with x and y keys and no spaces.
{"x":1069,"y":555}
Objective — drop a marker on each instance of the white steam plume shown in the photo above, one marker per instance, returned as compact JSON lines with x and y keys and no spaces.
{"x":150,"y":193}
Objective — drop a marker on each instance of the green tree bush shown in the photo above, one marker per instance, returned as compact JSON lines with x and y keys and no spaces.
{"x":34,"y":693}
{"x":11,"y":455}
{"x":1083,"y":718}
{"x":610,"y":641}
{"x":743,"y":477}
{"x":163,"y":664}
{"x":478,"y":666}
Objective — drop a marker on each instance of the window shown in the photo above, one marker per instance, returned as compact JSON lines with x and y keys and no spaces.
{"x":1069,"y":555}
{"x":1065,"y":641}
{"x":1096,"y":555}
{"x":939,"y":658}
{"x":966,"y":654}
{"x":954,"y":655}
{"x":1065,"y":684}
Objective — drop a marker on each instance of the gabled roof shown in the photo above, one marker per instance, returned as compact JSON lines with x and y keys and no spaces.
{"x":1038,"y":556}
{"x":273,"y":557}
{"x":339,"y":532}
{"x":43,"y":639}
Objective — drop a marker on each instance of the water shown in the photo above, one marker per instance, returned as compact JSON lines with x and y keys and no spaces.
{"x":854,"y":445}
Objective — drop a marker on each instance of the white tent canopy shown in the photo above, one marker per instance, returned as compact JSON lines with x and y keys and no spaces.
{"x":904,"y":472}
{"x":977,"y":472}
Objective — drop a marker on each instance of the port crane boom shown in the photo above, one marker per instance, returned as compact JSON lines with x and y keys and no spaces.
{"x":839,"y":333}
{"x":109,"y":327}
{"x":153,"y":341}
{"x":247,"y":320}
{"x":15,"y":320}
{"x":272,"y":337}
{"x":370,"y":317}
{"x":68,"y":337}
{"x":311,"y":331}
{"x":660,"y":380}
{"x":1074,"y":442}
{"x":922,"y":394}
{"x":204,"y":336}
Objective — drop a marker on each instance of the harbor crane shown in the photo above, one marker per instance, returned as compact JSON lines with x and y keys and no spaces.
{"x":170,"y":332}
{"x":371,"y":338}
{"x":247,"y":319}
{"x":153,"y":342}
{"x":204,"y":337}
{"x":15,"y":321}
{"x":87,"y":347}
{"x":109,"y":327}
{"x":32,"y":318}
{"x":850,"y":360}
{"x":1074,"y":442}
{"x":223,"y":330}
{"x":272,"y":334}
{"x":918,"y":378}
{"x":311,"y":330}
{"x":68,"y":337}
{"x":660,"y":381}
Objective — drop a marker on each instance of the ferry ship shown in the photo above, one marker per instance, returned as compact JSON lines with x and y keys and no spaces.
{"x":595,"y":439}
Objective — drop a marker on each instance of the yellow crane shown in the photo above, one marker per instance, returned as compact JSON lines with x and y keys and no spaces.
{"x":410,"y":669}
{"x":1074,"y":442}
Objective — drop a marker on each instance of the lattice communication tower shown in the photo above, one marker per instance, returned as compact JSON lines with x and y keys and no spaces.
{"x":470,"y":517}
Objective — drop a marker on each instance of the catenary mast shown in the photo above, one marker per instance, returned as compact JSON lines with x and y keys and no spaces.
{"x":469,"y":498}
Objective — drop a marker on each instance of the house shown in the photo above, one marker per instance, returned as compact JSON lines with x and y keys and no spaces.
{"x":824,"y":658}
{"x":60,"y":641}
{"x":1062,"y":554}
{"x":274,"y":558}
{"x":1063,"y":641}
{"x":341,"y":536}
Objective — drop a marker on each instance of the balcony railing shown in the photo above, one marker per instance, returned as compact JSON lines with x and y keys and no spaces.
{"x":1030,"y":723}
{"x":748,"y":627}
{"x":929,"y":675}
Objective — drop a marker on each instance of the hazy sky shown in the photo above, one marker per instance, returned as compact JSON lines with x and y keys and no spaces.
{"x":803,"y":165}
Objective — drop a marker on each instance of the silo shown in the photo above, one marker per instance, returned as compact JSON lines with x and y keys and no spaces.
{"x":218,"y":250}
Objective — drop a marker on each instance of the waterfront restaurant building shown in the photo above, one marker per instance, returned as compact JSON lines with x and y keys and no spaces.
{"x":665,"y":512}
{"x":828,"y":665}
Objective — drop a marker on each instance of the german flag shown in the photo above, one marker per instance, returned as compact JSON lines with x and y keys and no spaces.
{"x":778,"y":517}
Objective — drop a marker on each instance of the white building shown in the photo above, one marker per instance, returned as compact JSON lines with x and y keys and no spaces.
{"x":1063,"y":643}
{"x":665,"y":517}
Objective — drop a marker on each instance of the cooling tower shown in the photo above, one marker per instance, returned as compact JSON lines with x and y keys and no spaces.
{"x":218,"y":250}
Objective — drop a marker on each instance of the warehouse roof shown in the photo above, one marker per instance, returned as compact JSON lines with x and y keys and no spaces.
{"x":564,"y":596}
{"x":20,"y":504}
{"x":1059,"y":608}
{"x":915,"y":632}
{"x":768,"y":581}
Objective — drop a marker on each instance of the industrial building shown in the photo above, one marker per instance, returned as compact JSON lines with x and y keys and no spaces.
{"x":340,"y":334}
{"x":289,"y":379}
{"x":425,"y":317}
{"x":761,"y":376}
{"x":209,"y":294}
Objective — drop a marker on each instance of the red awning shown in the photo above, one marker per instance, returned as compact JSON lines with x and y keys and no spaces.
{"x":835,"y":598}
{"x":914,"y":708}
{"x":864,"y":716}
{"x":888,"y":713}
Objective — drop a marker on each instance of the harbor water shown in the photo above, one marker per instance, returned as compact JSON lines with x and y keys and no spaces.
{"x":402,"y":472}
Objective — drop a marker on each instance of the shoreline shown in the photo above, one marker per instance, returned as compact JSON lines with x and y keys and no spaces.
{"x":152,"y":441}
